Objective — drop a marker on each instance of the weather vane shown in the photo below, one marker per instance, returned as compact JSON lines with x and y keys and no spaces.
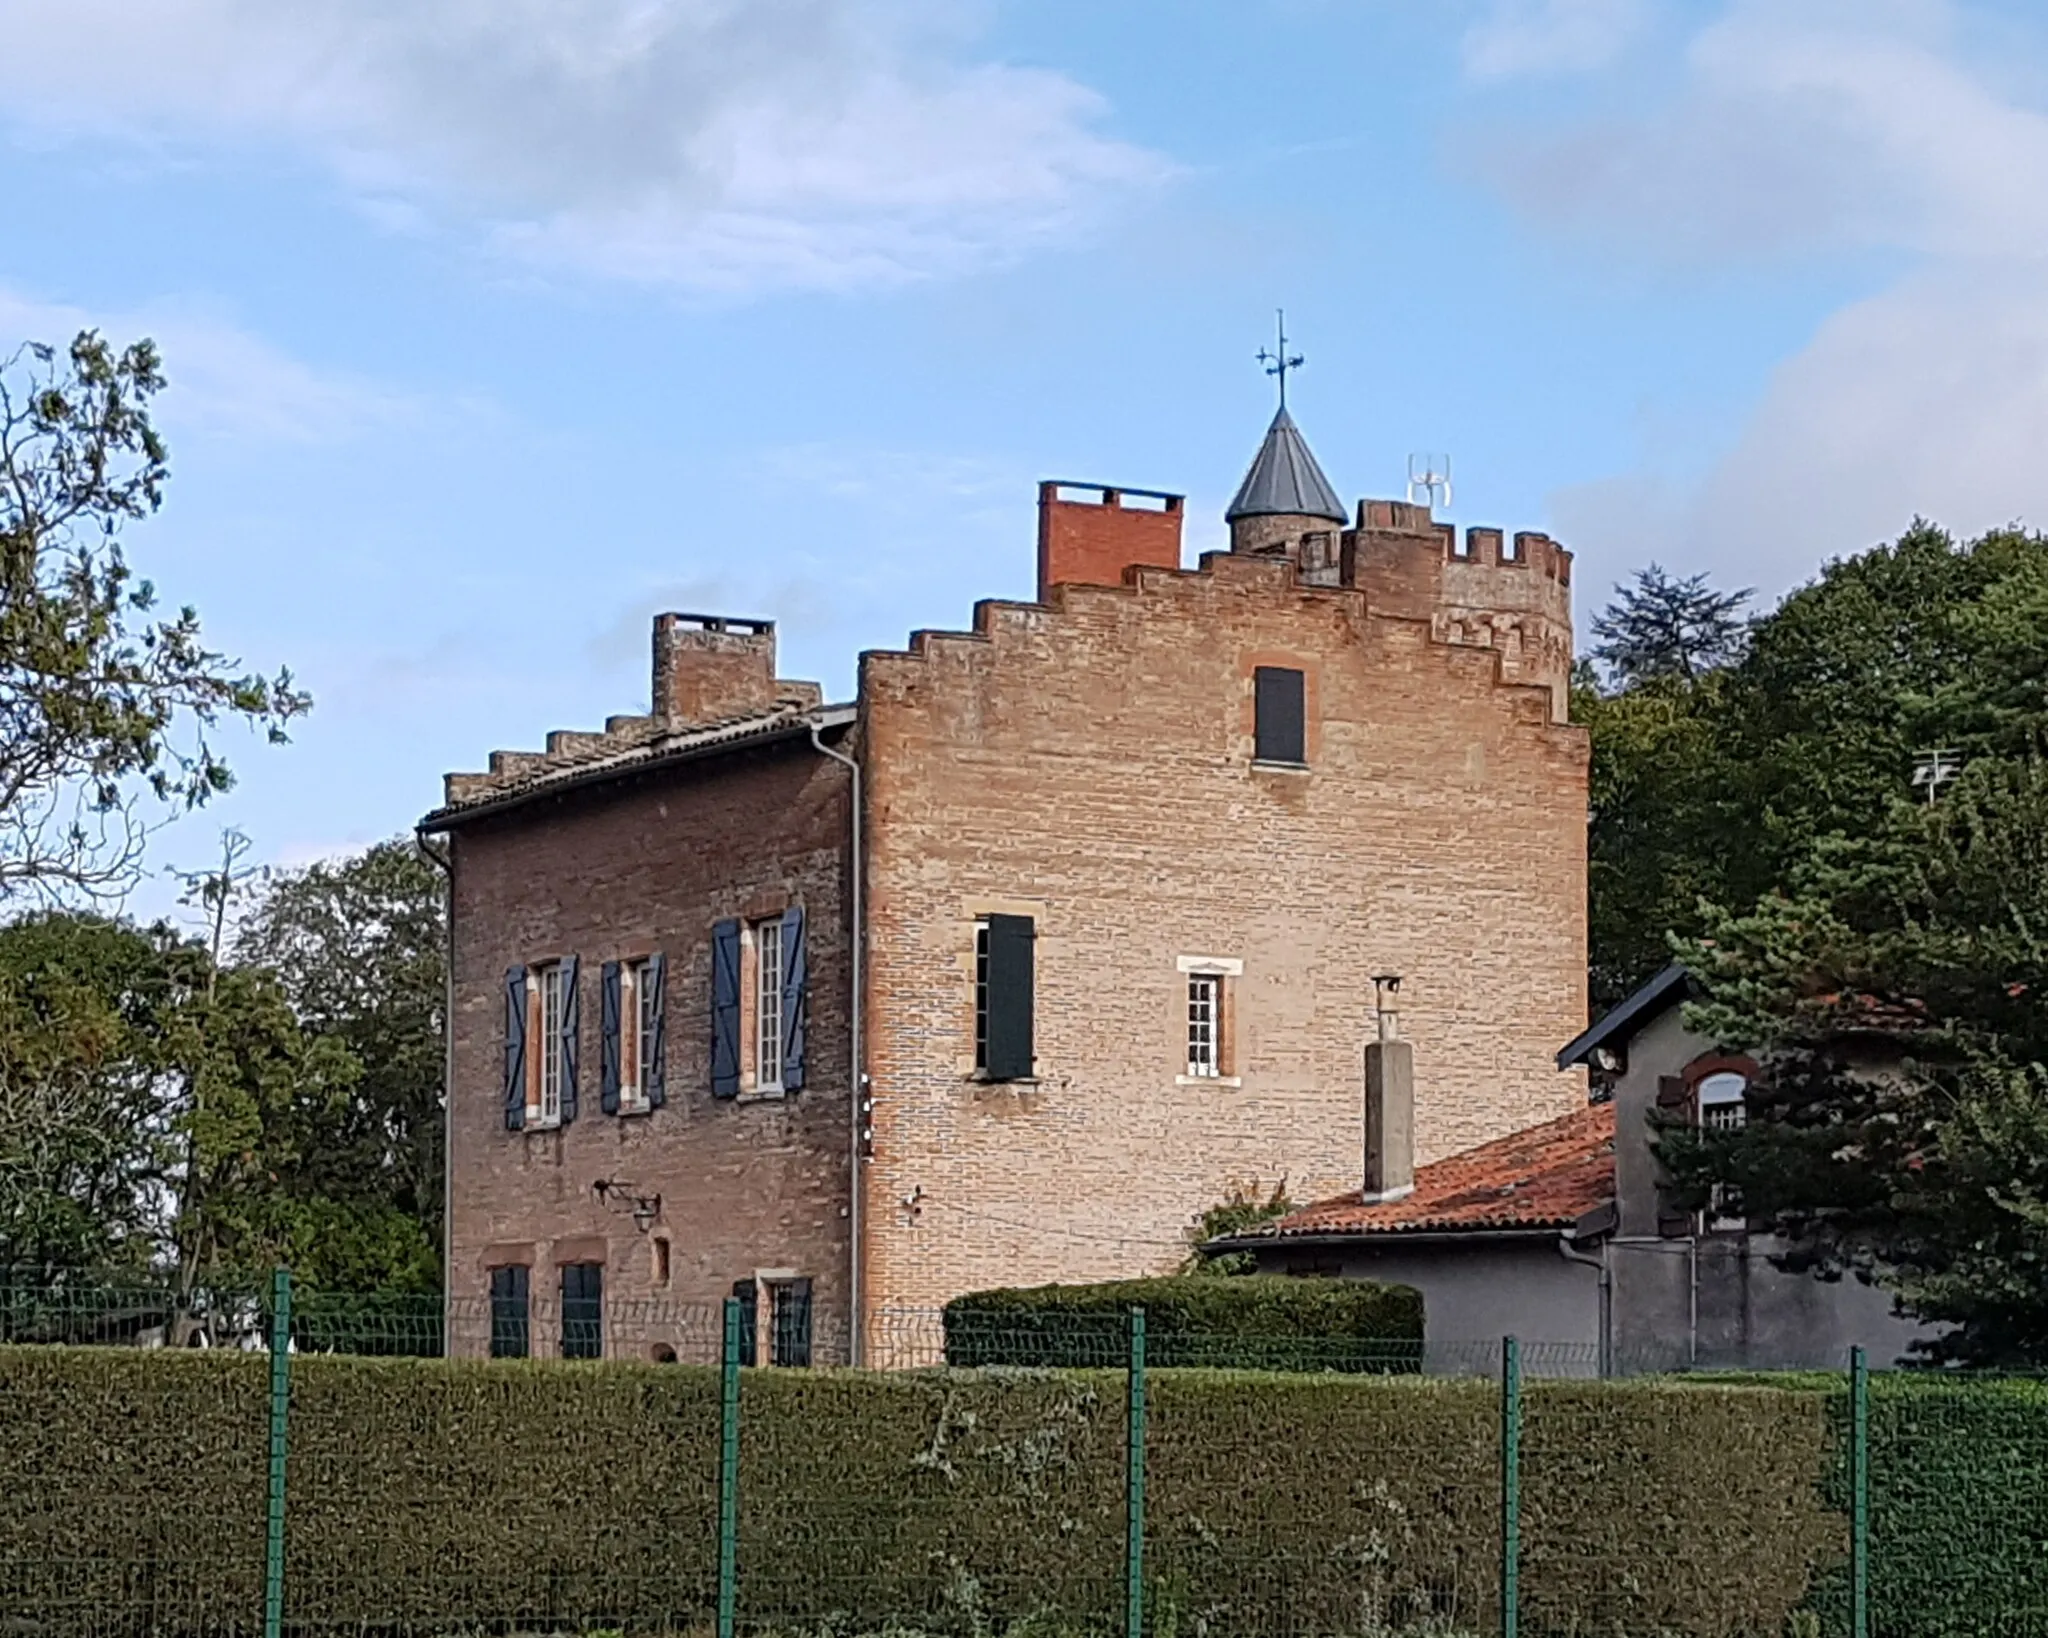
{"x":1278,"y":364}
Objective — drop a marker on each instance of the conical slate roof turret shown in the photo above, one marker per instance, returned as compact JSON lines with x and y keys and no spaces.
{"x":1284,"y":479}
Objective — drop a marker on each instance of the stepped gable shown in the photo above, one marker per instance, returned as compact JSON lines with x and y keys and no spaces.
{"x":1465,"y":643}
{"x":714,"y":686}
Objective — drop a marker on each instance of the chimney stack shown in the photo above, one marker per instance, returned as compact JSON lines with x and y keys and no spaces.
{"x":1389,"y":1102}
{"x":1088,"y":534}
{"x":710,"y":667}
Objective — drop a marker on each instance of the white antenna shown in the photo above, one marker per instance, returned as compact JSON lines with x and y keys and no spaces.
{"x":1429,"y":475}
{"x":1935,"y":769}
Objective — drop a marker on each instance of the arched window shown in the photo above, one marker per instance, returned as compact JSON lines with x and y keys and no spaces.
{"x":1719,"y":1097}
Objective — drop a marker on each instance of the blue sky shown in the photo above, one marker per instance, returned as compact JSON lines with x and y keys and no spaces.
{"x":495,"y":326}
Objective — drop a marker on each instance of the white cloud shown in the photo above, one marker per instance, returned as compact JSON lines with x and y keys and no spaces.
{"x":1526,"y":38}
{"x":1832,"y":130}
{"x":224,"y":382}
{"x":1810,"y":125}
{"x":717,"y":145}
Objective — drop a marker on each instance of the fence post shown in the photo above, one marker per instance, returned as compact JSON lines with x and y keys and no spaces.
{"x":1510,"y":1487}
{"x":1859,"y":1494}
{"x":280,"y":1403}
{"x":1134,"y":1498}
{"x":729,"y":1471}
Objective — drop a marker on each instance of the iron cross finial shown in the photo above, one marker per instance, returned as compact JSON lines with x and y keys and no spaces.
{"x":1278,"y":364}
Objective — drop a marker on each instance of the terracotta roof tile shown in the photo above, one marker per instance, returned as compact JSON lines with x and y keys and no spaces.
{"x":1546,"y":1176}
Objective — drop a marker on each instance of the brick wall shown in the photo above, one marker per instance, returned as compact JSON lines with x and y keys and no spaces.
{"x":1088,"y":763}
{"x":618,"y":872}
{"x":1090,"y":535}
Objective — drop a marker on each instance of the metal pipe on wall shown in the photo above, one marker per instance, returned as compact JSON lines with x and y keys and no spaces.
{"x":446,"y":863}
{"x":857,"y":1079}
{"x":1572,"y":1254}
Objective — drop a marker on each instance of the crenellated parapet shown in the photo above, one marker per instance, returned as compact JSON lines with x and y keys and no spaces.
{"x":1482,"y":588}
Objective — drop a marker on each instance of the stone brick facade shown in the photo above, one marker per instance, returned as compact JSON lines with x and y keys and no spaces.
{"x":1086,"y":761}
{"x":646,"y":861}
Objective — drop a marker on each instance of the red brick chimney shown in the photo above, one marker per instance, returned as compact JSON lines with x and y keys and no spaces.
{"x":1091,"y":541}
{"x":709,"y":667}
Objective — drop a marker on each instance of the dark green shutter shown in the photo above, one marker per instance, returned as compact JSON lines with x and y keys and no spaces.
{"x":1674,"y":1103}
{"x":1277,"y":705}
{"x":572,"y":1035}
{"x":749,"y":1299}
{"x":515,"y":1048}
{"x":509,"y":1289}
{"x":1010,"y":941}
{"x":610,"y":994}
{"x":583,"y":1310}
{"x":795,"y":987}
{"x":725,"y":1010}
{"x":790,"y":1343}
{"x":654,"y":1071}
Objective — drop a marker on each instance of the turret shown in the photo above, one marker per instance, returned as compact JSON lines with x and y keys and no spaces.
{"x":1485,"y":589}
{"x":1285,"y":506}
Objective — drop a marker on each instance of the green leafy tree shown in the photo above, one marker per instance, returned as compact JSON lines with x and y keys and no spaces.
{"x":85,"y":1098}
{"x":108,"y":708}
{"x":359,"y":947}
{"x":1243,"y":1206}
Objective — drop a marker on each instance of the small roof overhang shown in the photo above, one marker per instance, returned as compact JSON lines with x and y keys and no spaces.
{"x":1621,"y":1023}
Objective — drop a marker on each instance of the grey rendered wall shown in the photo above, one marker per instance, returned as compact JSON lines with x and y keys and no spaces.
{"x":1476,"y":1292}
{"x":1717,"y":1300}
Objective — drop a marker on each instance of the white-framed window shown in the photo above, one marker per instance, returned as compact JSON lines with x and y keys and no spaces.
{"x":1722,"y":1109}
{"x":552,"y":1009}
{"x":1205,"y":1024}
{"x":1211,"y":1055}
{"x":637,"y":1004}
{"x":1720,"y":1099}
{"x":981,"y":995}
{"x":640,"y":1018}
{"x":768,"y":980}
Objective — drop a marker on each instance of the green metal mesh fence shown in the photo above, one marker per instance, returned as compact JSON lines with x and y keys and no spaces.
{"x":384,"y":1474}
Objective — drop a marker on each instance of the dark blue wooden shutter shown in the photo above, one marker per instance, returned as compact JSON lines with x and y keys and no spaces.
{"x":749,"y":1328}
{"x":515,"y":1048}
{"x":725,"y":1010}
{"x":795,"y":990}
{"x":583,"y":1311}
{"x":790,"y":1341}
{"x":509,"y":1287}
{"x":609,"y":991}
{"x":572,"y":1034}
{"x":654,"y":1069}
{"x":1278,"y":715}
{"x":1009,"y":997}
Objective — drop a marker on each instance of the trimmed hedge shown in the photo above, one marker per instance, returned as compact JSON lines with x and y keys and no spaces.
{"x":437,"y":1496}
{"x":1958,"y":1507}
{"x":1261,"y":1322}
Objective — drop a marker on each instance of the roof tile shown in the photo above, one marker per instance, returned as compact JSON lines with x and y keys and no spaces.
{"x":1546,"y":1176}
